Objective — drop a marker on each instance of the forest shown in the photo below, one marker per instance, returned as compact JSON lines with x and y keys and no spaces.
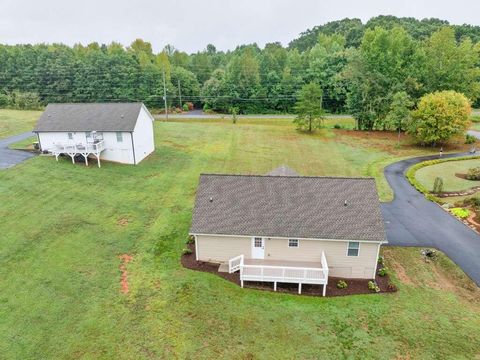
{"x":361,"y":69}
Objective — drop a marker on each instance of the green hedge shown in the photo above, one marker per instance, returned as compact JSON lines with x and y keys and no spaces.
{"x":410,"y":174}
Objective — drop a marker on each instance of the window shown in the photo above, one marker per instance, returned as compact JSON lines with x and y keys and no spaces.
{"x":70,"y":136}
{"x":353,"y":248}
{"x":99,"y":135}
{"x":88,"y":135}
{"x":257,"y":242}
{"x":119,"y":136}
{"x":292,"y":242}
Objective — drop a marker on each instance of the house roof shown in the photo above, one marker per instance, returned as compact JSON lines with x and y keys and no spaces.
{"x":89,"y":117}
{"x":288,"y":206}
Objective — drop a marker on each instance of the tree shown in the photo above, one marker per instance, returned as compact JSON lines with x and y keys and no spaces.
{"x":399,"y":114}
{"x":309,"y":108}
{"x":439,"y":117}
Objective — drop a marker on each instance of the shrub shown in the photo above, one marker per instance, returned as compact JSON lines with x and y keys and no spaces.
{"x":438,"y":185}
{"x":337,"y":126}
{"x":372,"y":285}
{"x":429,"y":253}
{"x":460,"y":212}
{"x":185,"y":107}
{"x":342,"y":284}
{"x":186,"y":251}
{"x":474,"y":201}
{"x":190,"y":105}
{"x":470,"y":139}
{"x":473,"y":173}
{"x":190,"y":240}
{"x":381,"y":260}
{"x":383,"y":271}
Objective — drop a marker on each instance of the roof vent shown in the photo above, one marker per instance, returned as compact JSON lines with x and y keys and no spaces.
{"x":345,"y":203}
{"x":121,"y":116}
{"x":211,"y":199}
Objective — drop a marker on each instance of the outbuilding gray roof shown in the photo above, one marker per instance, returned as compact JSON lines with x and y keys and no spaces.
{"x":283,"y":170}
{"x":288,"y":206}
{"x":89,"y":117}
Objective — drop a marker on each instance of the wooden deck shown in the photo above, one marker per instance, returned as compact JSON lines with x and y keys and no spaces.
{"x":283,"y":263}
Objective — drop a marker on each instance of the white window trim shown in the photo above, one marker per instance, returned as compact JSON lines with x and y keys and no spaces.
{"x":293,"y":247}
{"x":348,"y":246}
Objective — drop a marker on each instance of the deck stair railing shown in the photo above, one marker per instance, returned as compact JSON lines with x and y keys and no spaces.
{"x":235,"y":264}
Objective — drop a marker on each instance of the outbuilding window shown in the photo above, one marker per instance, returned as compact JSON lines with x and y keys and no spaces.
{"x":353,"y":248}
{"x":119,"y":136}
{"x":70,"y":136}
{"x":292,"y":242}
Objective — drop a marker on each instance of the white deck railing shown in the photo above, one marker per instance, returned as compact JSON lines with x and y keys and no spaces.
{"x":282,"y":274}
{"x":79,"y":148}
{"x":235,"y":264}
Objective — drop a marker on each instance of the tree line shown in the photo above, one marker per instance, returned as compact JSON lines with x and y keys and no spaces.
{"x":362,"y":69}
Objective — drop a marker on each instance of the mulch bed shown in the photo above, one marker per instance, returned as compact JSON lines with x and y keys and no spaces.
{"x":355,"y":286}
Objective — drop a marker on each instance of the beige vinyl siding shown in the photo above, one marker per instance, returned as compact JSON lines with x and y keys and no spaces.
{"x":340,"y":265}
{"x":217,"y":248}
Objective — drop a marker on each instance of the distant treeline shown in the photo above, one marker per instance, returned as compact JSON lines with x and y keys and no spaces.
{"x":359,"y":67}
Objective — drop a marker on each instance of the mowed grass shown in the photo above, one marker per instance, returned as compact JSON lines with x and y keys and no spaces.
{"x":63,"y":227}
{"x":447,"y":171}
{"x":14,"y":122}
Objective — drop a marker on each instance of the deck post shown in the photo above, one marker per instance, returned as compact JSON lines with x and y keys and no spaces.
{"x":299,"y":288}
{"x":241,"y":283}
{"x":274,"y":286}
{"x":73,"y":158}
{"x":98,"y":160}
{"x":86,"y":160}
{"x":324,"y":289}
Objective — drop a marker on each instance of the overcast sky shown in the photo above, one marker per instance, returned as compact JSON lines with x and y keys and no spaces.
{"x":190,"y":25}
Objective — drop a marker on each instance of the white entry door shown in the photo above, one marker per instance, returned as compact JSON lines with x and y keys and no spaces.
{"x":258,"y":248}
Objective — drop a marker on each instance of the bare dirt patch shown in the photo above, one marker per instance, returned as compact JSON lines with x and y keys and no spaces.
{"x":398,"y":268}
{"x":123,"y":221}
{"x":125,"y":259}
{"x":355,"y":286}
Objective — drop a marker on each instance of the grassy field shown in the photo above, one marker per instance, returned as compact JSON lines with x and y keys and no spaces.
{"x":63,"y":227}
{"x":447,"y":171}
{"x":17,"y":121}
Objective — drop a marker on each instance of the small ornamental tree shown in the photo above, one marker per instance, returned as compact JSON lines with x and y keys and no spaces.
{"x":438,"y":185}
{"x":439,"y":117}
{"x":309,"y":108}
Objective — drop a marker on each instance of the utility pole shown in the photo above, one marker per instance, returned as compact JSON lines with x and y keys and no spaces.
{"x":180,"y":93}
{"x":165,"y":93}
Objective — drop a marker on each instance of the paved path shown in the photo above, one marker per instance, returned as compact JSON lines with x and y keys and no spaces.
{"x":474,"y":133}
{"x":9,"y":157}
{"x":197,"y":114}
{"x":412,"y":220}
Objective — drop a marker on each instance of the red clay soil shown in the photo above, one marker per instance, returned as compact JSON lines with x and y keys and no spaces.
{"x":355,"y":286}
{"x":125,"y":259}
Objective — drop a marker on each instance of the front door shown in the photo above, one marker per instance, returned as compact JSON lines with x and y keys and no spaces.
{"x":258,"y":248}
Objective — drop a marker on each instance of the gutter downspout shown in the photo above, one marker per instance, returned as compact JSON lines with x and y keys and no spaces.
{"x":133,"y":148}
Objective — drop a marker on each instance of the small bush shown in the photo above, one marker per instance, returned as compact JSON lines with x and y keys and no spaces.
{"x":337,"y":126}
{"x":342,"y":284}
{"x":190,"y":105}
{"x":383,"y":271}
{"x":474,"y":201}
{"x":438,"y":185}
{"x":372,"y":285}
{"x":190,"y":240}
{"x":473,"y":173}
{"x":470,"y":139}
{"x":186,"y":251}
{"x":460,"y":213}
{"x":381,"y":260}
{"x":185,"y":107}
{"x":429,"y":253}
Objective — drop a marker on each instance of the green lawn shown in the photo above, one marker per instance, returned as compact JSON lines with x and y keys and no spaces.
{"x":447,"y":171}
{"x":14,"y":122}
{"x":63,"y":227}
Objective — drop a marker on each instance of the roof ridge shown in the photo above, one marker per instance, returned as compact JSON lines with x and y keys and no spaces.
{"x":294,"y":176}
{"x":96,"y":103}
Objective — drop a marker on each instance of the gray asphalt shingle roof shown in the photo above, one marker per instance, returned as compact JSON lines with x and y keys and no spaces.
{"x":89,"y":117}
{"x":288,"y":206}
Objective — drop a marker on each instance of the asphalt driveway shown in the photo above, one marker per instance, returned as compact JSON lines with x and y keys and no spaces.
{"x":9,"y":157}
{"x":412,"y":220}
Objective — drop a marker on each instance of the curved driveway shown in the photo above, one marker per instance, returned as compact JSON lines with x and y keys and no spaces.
{"x":412,"y":220}
{"x":9,"y":157}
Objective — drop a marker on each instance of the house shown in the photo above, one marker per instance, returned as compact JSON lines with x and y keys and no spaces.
{"x":119,"y":132}
{"x":282,"y":227}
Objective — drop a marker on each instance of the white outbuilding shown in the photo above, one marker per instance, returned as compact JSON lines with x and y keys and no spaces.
{"x":119,"y":132}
